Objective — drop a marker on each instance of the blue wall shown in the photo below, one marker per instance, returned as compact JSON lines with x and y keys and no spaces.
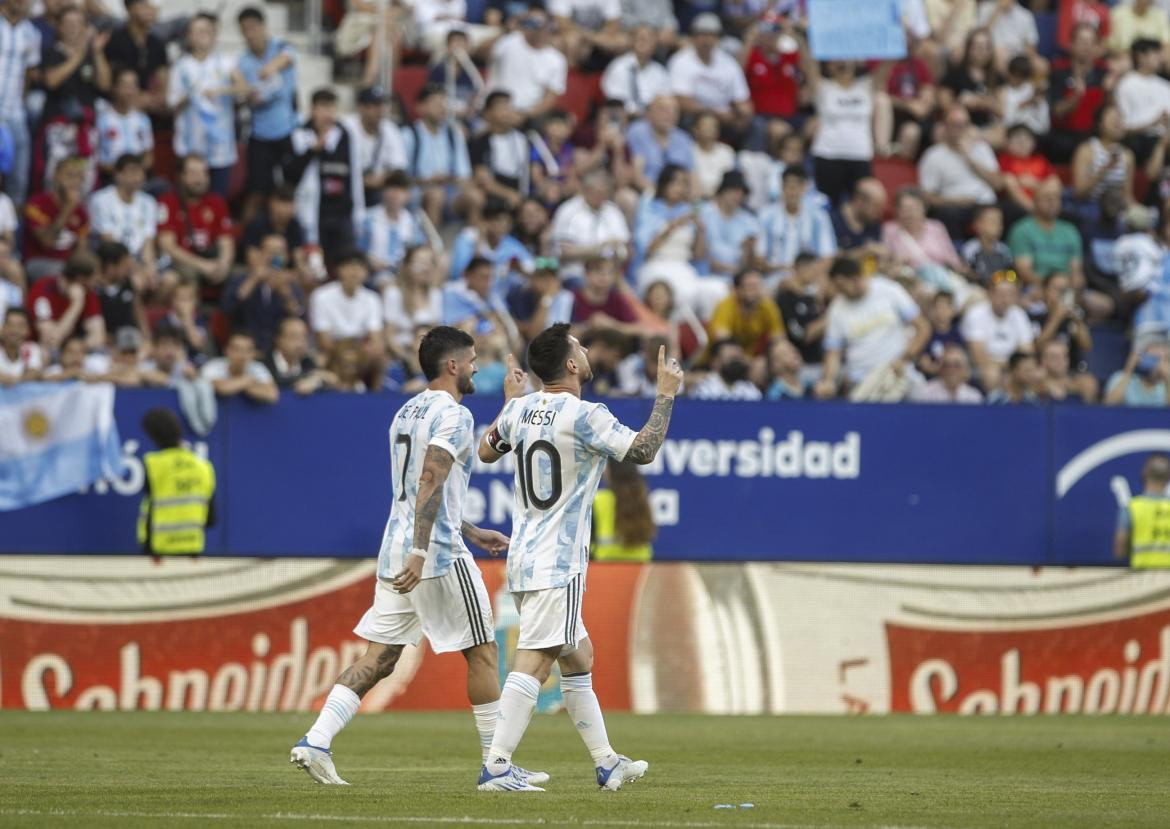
{"x":812,"y":482}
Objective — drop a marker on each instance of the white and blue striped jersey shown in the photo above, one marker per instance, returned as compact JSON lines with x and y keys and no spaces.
{"x":431,"y":418}
{"x":560,"y":445}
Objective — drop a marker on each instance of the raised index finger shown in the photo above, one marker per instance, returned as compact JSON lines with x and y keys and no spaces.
{"x":662,"y":356}
{"x":511,"y":362}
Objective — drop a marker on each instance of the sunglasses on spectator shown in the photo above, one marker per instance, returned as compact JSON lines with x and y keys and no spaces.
{"x":1004,"y":276}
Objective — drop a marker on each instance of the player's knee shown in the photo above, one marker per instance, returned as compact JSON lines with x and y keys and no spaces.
{"x":482,"y":658}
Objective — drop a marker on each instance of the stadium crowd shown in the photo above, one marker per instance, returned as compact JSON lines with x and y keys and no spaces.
{"x":173,"y":216}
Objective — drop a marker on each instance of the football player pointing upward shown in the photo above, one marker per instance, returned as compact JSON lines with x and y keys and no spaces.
{"x":561,"y":444}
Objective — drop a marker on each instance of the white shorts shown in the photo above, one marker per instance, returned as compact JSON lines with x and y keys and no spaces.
{"x":551,"y":617}
{"x":453,"y":611}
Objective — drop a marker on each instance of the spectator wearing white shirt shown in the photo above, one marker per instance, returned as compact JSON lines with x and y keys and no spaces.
{"x":381,"y":149}
{"x":996,"y":329}
{"x":959,"y":173}
{"x":1143,"y":96}
{"x":21,"y":358}
{"x":122,"y":128}
{"x":592,"y":30}
{"x":391,"y":228}
{"x":501,"y":155}
{"x":345,"y":310}
{"x":703,"y":76}
{"x":1013,"y":31}
{"x":728,"y":379}
{"x":123,"y":213}
{"x":589,"y":225}
{"x":20,"y":55}
{"x":635,"y":78}
{"x":239,"y":372}
{"x":528,"y":67}
{"x":12,"y":278}
{"x":712,"y":157}
{"x":951,"y":385}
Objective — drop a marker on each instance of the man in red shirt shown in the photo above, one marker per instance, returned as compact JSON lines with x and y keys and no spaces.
{"x":1076,"y":92}
{"x":772,"y":67}
{"x":56,"y":222}
{"x":600,"y":303}
{"x":64,"y":305}
{"x":194,"y":226}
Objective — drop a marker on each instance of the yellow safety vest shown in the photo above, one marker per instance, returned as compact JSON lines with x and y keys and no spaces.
{"x":1149,"y":538}
{"x":181,"y":486}
{"x":606,"y":546}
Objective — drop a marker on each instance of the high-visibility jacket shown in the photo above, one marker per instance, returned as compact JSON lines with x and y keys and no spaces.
{"x":606,"y":545}
{"x":179,"y":500}
{"x":1149,"y":538}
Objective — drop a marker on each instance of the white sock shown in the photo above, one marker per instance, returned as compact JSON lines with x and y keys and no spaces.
{"x":517,"y":702}
{"x":485,"y":723}
{"x":581,"y":703}
{"x":339,"y":709}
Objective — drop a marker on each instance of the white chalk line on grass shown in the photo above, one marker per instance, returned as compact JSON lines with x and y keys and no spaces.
{"x":392,"y":819}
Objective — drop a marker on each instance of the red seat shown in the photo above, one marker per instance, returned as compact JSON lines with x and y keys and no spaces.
{"x":581,"y":91}
{"x":894,"y":174}
{"x":408,"y":81}
{"x":1064,"y":173}
{"x":166,"y":165}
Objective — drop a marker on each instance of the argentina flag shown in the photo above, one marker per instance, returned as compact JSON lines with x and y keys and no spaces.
{"x":55,"y":438}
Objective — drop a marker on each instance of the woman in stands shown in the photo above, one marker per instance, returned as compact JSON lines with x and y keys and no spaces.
{"x":1103,"y":163}
{"x":412,"y":300}
{"x":974,"y":83}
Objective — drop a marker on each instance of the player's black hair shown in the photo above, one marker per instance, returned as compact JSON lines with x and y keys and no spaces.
{"x":495,"y":97}
{"x":127,"y":160}
{"x":111,"y":253}
{"x":324,"y":96}
{"x":163,"y":427}
{"x":437,"y":346}
{"x":250,"y":13}
{"x":548,"y":352}
{"x":845,"y":266}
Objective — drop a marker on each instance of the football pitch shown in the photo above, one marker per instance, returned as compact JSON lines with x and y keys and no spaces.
{"x":227,"y":770}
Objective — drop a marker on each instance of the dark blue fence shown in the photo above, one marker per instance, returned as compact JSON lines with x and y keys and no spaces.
{"x":812,"y":482}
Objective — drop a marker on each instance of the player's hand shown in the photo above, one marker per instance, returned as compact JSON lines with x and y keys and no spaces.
{"x":489,"y":540}
{"x":410,"y":576}
{"x":670,"y":374}
{"x":515,"y":381}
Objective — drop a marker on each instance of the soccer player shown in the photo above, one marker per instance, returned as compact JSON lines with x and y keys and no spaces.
{"x":428,"y":582}
{"x":561,"y":445}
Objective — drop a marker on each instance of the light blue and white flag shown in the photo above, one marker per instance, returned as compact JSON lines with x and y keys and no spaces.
{"x":55,"y":438}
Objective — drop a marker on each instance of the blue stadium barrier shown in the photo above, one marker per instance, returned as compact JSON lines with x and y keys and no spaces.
{"x":785,"y":481}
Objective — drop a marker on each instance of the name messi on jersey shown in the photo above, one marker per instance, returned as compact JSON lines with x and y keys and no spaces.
{"x":538,"y":417}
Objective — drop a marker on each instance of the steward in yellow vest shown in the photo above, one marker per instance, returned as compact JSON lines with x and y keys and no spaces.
{"x":1143,"y":533}
{"x":623,"y":525}
{"x":177,"y":506}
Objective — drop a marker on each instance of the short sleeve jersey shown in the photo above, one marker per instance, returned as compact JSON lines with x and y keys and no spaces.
{"x":431,"y":418}
{"x":560,"y":445}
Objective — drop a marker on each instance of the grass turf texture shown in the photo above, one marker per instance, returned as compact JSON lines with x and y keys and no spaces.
{"x":224,"y":770}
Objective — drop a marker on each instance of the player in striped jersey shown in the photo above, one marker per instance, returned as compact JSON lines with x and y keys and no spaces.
{"x":428,"y":582}
{"x":561,"y":445}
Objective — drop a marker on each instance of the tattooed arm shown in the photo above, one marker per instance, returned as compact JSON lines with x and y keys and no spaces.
{"x":437,"y":465}
{"x":491,"y":541}
{"x":646,"y":445}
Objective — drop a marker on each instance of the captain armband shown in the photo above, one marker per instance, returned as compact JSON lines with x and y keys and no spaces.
{"x":497,"y":443}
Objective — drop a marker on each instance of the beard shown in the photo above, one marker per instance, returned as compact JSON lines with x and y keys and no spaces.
{"x":466,"y":385}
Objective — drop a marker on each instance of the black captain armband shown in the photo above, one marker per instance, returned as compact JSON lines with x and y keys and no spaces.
{"x":497,"y":443}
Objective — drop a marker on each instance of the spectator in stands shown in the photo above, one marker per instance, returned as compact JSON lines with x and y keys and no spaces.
{"x":772,"y":66}
{"x":454,"y":71}
{"x":345,"y":310}
{"x":1044,"y":244}
{"x":1143,"y":96}
{"x":20,"y":55}
{"x":185,"y":316}
{"x":391,"y":228}
{"x":944,"y":331}
{"x":590,"y":29}
{"x":412,"y":299}
{"x":607,"y":348}
{"x":437,"y":159}
{"x":494,"y":242}
{"x":1076,"y":92}
{"x":12,"y":279}
{"x":728,"y":378}
{"x":1092,"y":14}
{"x":913,"y":95}
{"x":986,"y":253}
{"x":544,"y":301}
{"x":1103,"y":163}
{"x":123,"y":128}
{"x":21,"y":358}
{"x":687,"y":333}
{"x":1145,"y":379}
{"x":1059,"y":383}
{"x":658,"y":15}
{"x":279,"y":216}
{"x":747,"y":315}
{"x":951,"y":23}
{"x":996,"y":329}
{"x":194,"y":227}
{"x":202,"y":90}
{"x":951,"y":385}
{"x":732,"y":231}
{"x":802,"y":303}
{"x":1023,"y":378}
{"x":289,"y":362}
{"x":656,"y":141}
{"x":134,"y":44}
{"x":601,"y":303}
{"x":344,"y":369}
{"x":589,"y":225}
{"x":874,"y":334}
{"x":123,"y":213}
{"x":786,"y":376}
{"x":56,"y":222}
{"x":1022,"y":102}
{"x":920,"y":243}
{"x":65,"y":305}
{"x":1060,"y":318}
{"x":974,"y":83}
{"x":637,"y":374}
{"x":555,"y":162}
{"x":117,"y":291}
{"x":604,"y":147}
{"x":472,"y":305}
{"x":74,"y":362}
{"x":636,"y":78}
{"x":500,"y":154}
{"x":1145,"y":280}
{"x":257,"y":300}
{"x":793,"y":226}
{"x":525,"y":65}
{"x":167,"y":365}
{"x":704,"y":77}
{"x":712,"y":157}
{"x":382,"y":148}
{"x":1012,"y":28}
{"x":239,"y":373}
{"x":123,"y":359}
{"x":857,"y":222}
{"x":532,"y":228}
{"x":268,"y":67}
{"x":959,"y":173}
{"x":325,"y":168}
{"x":1138,"y":20}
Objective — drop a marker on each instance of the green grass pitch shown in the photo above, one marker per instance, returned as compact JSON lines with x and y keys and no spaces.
{"x":227,"y":770}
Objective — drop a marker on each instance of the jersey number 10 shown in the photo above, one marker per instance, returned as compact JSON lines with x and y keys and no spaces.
{"x":524,"y":471}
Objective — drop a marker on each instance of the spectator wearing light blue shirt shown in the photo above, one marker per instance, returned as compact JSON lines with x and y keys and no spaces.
{"x":390,"y":228}
{"x":496,"y":245}
{"x":471,"y":305}
{"x":437,"y":159}
{"x":732,"y":231}
{"x":268,"y":66}
{"x":656,"y":140}
{"x":793,"y":226}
